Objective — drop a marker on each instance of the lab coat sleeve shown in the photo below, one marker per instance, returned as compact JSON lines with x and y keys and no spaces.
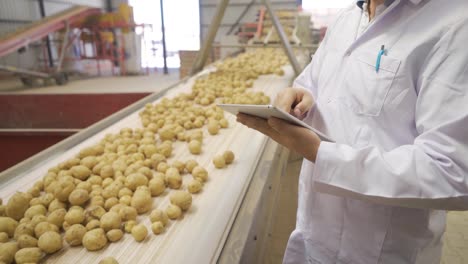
{"x":433,"y":171}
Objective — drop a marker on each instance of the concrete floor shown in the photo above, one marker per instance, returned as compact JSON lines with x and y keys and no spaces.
{"x":114,"y":84}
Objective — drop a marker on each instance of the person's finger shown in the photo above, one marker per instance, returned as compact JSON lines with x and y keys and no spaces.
{"x":285,"y":99}
{"x":304,"y":105}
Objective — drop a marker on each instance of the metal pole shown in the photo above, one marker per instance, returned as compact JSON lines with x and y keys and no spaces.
{"x":284,"y":39}
{"x":49,"y":49}
{"x":238,"y":20}
{"x":163,"y":36}
{"x":64,"y":47}
{"x":205,"y":49}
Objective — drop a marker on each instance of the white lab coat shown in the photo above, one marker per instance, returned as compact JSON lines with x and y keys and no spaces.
{"x":377,"y":195}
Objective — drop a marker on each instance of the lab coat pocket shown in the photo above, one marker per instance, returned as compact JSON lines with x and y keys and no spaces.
{"x":365,"y":87}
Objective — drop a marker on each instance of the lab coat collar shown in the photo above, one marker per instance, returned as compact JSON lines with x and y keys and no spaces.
{"x":387,"y":2}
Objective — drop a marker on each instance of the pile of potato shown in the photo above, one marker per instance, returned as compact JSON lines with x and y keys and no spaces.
{"x":95,"y":197}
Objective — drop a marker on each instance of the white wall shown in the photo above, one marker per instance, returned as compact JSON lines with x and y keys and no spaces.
{"x":23,"y":11}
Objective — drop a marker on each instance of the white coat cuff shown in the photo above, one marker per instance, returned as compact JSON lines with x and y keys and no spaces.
{"x":323,"y":172}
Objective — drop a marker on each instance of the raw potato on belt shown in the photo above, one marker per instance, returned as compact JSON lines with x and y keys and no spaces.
{"x":90,"y":197}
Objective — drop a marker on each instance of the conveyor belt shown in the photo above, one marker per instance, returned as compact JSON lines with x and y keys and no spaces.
{"x":12,"y":41}
{"x":200,"y":235}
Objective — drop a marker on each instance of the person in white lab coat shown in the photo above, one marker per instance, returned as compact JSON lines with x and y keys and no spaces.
{"x":389,"y":85}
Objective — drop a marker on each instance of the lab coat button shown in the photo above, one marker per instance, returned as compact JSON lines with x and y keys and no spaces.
{"x":348,"y":53}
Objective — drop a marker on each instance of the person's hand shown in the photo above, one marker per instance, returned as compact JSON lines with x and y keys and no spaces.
{"x":295,"y":101}
{"x":296,"y":138}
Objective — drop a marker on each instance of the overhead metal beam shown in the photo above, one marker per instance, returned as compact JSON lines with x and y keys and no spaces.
{"x":284,"y":39}
{"x":255,"y":4}
{"x":205,"y":49}
{"x":240,"y":17}
{"x":163,"y":30}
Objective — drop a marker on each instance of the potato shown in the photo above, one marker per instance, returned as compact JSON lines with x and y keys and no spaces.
{"x":50,"y":242}
{"x":126,"y":200}
{"x":97,"y":201}
{"x":125,"y":192}
{"x":44,"y":227}
{"x":219,"y":162}
{"x":106,"y":171}
{"x":108,"y":260}
{"x":142,"y":201}
{"x":91,"y":151}
{"x":173,"y":178}
{"x":28,"y":255}
{"x":157,"y":228}
{"x":63,"y":189}
{"x":78,"y":197}
{"x":223,"y":123}
{"x":114,"y":235}
{"x":4,"y":237}
{"x":182,"y":199}
{"x":95,"y":211}
{"x":129,"y":225}
{"x":89,"y":162}
{"x":194,"y":186}
{"x":8,"y":225}
{"x":25,"y":241}
{"x":110,"y":220}
{"x":173,"y":211}
{"x":128,"y":213}
{"x":199,"y":173}
{"x":190,"y":164}
{"x":158,"y":216}
{"x":34,"y":191}
{"x":24,"y":229}
{"x":111,"y":202}
{"x":162,"y":167}
{"x":156,"y":159}
{"x":17,"y":205}
{"x":228,"y":156}
{"x":80,"y":172}
{"x":56,"y":204}
{"x":57,"y":217}
{"x":75,"y":215}
{"x":156,"y":186}
{"x":95,"y":239}
{"x":38,"y":219}
{"x":139,"y":232}
{"x":195,"y":147}
{"x":179,"y":165}
{"x":2,"y":210}
{"x":146,"y":171}
{"x":213,"y":127}
{"x":93,"y":224}
{"x":74,"y":234}
{"x":134,"y":180}
{"x":8,"y":251}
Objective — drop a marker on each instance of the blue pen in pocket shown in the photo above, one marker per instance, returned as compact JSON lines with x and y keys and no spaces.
{"x":379,"y":57}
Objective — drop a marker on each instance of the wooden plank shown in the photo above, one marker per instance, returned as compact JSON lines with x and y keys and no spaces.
{"x":196,"y":238}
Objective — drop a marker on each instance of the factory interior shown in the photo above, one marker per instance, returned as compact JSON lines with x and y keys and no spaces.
{"x":111,"y":105}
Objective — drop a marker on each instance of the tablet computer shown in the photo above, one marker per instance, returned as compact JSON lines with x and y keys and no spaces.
{"x":266,"y":111}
